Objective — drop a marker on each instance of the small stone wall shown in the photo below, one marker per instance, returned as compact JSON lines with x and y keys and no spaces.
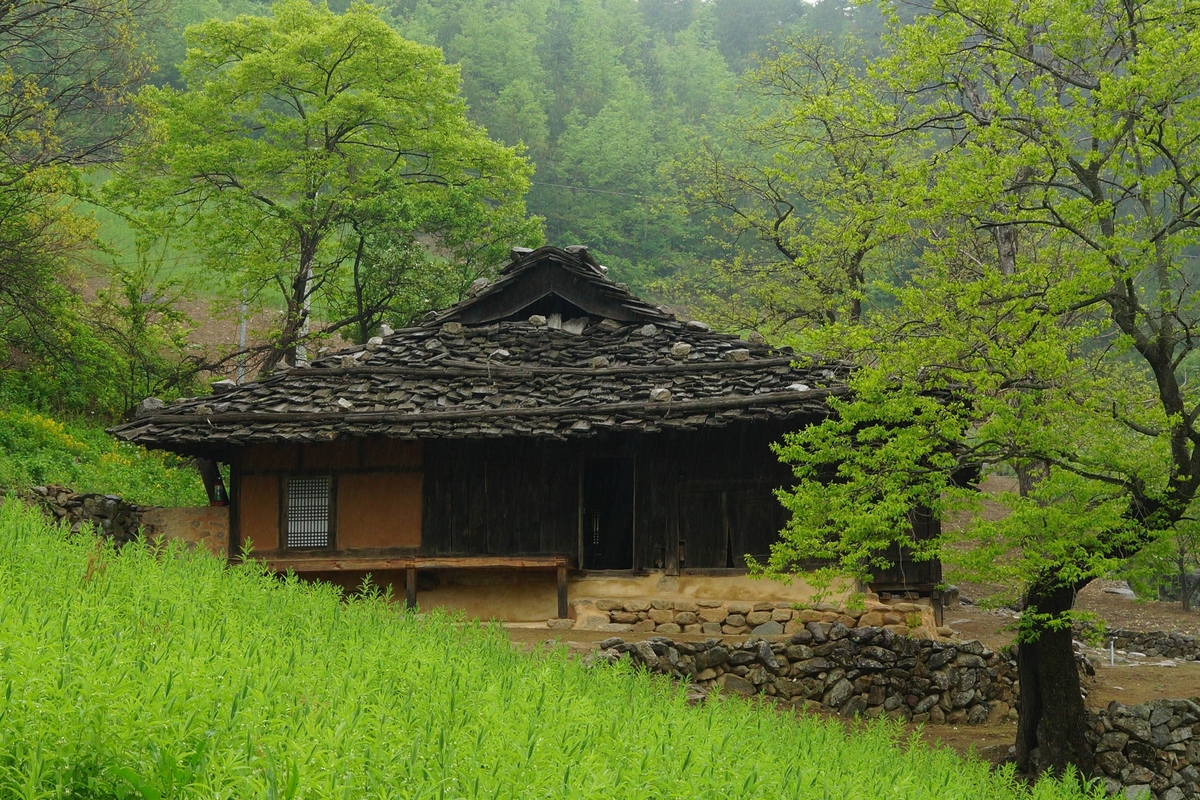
{"x":116,"y":519}
{"x":866,"y":670}
{"x":1156,"y":643}
{"x":737,"y":618}
{"x":1151,"y":750}
{"x":206,"y":526}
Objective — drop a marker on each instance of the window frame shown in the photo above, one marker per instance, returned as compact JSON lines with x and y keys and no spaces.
{"x":284,"y":512}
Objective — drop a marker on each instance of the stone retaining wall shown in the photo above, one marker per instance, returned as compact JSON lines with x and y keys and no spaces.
{"x":866,"y":670}
{"x":205,"y":526}
{"x":736,"y":618}
{"x":1151,"y":750}
{"x":1156,"y":643}
{"x":115,"y":518}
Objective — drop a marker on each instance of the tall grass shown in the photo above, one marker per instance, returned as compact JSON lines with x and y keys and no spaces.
{"x":144,"y":675}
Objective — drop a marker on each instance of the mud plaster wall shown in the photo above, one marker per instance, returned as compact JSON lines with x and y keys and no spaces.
{"x":206,"y":526}
{"x":379,"y":488}
{"x":381,"y":509}
{"x":258,"y":511}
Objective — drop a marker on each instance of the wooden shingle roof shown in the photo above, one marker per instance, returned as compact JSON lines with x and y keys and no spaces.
{"x":597,"y":359}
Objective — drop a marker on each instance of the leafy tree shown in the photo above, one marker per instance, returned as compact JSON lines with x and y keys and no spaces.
{"x":68,"y":68}
{"x":68,"y":71}
{"x":798,"y":192}
{"x":138,"y":315}
{"x":1046,"y":320}
{"x":294,"y":131}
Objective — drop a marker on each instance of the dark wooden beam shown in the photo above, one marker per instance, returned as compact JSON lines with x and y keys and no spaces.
{"x":235,"y":508}
{"x":563,"y":611}
{"x":348,"y":562}
{"x":471,"y":368}
{"x":410,"y":587}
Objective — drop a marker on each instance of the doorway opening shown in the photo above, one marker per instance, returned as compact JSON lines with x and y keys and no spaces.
{"x":608,"y":513}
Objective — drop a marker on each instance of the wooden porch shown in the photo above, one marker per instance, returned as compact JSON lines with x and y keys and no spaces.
{"x":301,"y":562}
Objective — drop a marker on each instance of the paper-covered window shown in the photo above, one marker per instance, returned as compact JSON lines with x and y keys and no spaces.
{"x":308,"y":518}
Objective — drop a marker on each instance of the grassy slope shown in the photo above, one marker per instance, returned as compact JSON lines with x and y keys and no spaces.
{"x":136,"y":675}
{"x":116,"y":234}
{"x":35,"y":449}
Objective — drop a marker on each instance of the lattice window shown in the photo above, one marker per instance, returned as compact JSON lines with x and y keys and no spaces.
{"x":308,"y":511}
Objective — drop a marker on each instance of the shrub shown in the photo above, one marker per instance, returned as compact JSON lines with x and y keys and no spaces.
{"x":37,"y":449}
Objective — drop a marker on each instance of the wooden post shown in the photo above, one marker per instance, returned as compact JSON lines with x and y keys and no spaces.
{"x":234,"y":546}
{"x":410,"y":586}
{"x":562,"y":590}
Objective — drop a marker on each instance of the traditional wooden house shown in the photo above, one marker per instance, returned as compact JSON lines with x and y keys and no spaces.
{"x":551,"y":421}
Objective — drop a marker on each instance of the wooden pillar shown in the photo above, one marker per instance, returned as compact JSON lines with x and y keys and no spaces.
{"x":410,"y":587}
{"x":235,"y":507}
{"x":563,"y":612}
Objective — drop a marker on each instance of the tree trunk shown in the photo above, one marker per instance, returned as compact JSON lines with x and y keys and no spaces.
{"x":1051,"y":719}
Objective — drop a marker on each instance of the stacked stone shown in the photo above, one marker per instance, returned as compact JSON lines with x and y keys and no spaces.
{"x":1151,"y":750}
{"x":1157,"y":643}
{"x":740,"y":618}
{"x":711,"y":617}
{"x":869,"y":671}
{"x":115,"y":519}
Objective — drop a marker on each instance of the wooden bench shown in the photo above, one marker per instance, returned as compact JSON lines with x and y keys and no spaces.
{"x":364,"y":562}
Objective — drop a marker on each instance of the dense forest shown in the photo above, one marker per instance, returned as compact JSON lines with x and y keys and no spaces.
{"x":604,"y":101}
{"x":604,"y":97}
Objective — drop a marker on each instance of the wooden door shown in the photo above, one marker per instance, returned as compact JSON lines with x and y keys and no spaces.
{"x":608,"y":513}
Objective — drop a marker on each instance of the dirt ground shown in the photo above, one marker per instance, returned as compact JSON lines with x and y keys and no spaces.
{"x":1130,"y":683}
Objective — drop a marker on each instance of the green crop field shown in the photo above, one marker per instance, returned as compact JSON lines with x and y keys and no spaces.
{"x":165,"y":674}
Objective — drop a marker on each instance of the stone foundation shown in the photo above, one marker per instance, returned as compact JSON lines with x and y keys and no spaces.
{"x":743,"y":617}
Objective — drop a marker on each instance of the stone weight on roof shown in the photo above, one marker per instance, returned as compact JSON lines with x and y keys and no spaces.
{"x":536,"y":375}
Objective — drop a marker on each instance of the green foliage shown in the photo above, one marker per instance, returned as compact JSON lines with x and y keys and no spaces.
{"x":602,"y":94}
{"x":1049,"y":299}
{"x":799,"y":194}
{"x":300,"y":135}
{"x":1028,"y":170}
{"x":68,"y":75}
{"x":99,"y":358}
{"x":170,"y":674}
{"x":139,"y":316}
{"x":1164,"y":569}
{"x":36,"y":450}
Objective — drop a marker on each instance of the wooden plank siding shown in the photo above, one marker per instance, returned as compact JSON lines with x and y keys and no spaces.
{"x":710,"y":489}
{"x":500,"y":497}
{"x":698,"y":500}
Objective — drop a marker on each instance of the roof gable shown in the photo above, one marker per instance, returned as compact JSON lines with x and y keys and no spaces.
{"x":564,"y":281}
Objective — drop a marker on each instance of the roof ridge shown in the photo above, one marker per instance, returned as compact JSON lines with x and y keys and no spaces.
{"x":574,"y":259}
